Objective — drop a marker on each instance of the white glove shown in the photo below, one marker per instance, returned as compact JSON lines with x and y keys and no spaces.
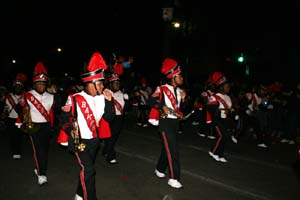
{"x":236,"y":117}
{"x":126,"y":97}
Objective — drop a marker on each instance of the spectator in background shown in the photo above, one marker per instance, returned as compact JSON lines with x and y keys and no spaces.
{"x":292,"y":115}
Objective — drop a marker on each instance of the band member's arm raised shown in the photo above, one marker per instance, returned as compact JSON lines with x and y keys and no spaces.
{"x":109,"y":110}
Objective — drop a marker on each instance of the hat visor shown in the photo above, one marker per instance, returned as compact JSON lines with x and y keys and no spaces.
{"x":93,"y":76}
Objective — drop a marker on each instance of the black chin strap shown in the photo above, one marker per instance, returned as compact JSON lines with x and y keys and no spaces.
{"x":174,"y":80}
{"x":96,"y":88}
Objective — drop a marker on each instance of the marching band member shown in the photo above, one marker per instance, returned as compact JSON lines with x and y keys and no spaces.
{"x":120,"y":99}
{"x":38,"y":120}
{"x":206,"y":125}
{"x":168,"y":98}
{"x":12,"y":112}
{"x":85,"y":120}
{"x":220,"y":106}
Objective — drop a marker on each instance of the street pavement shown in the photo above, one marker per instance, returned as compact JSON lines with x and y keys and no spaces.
{"x":250,"y":173}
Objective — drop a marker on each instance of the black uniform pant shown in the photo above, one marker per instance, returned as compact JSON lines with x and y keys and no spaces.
{"x":263,"y":128}
{"x":221,"y":127}
{"x":109,"y":143}
{"x":169,"y":156}
{"x":142,"y":114}
{"x":86,"y":187}
{"x":40,"y":145}
{"x":16,"y":136}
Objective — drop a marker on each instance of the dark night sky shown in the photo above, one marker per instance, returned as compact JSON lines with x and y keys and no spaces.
{"x":32,"y":31}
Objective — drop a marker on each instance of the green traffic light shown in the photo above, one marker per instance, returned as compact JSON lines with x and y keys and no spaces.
{"x":240,"y":59}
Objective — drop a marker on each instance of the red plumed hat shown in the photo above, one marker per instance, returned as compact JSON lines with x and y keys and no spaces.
{"x":218,"y":78}
{"x":170,"y":68}
{"x":275,"y":87}
{"x":117,"y":71}
{"x":40,"y":73}
{"x":95,"y":69}
{"x":20,"y":79}
{"x":114,"y":77}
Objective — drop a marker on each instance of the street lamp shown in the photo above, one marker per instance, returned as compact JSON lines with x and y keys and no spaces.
{"x":176,"y":24}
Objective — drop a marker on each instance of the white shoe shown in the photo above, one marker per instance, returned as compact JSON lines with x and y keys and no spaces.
{"x":222,"y":159}
{"x":113,"y":161}
{"x":42,"y":180}
{"x":201,"y":134}
{"x":35,"y":171}
{"x":195,"y":123}
{"x":262,"y":145}
{"x":291,"y":142}
{"x":16,"y":156}
{"x":174,"y":183}
{"x":77,"y":197}
{"x":214,"y":156}
{"x":159,"y":174}
{"x":211,"y":137}
{"x":284,"y":141}
{"x":234,"y":140}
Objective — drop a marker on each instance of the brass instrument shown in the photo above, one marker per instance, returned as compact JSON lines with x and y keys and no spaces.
{"x":28,"y":126}
{"x":79,"y":145}
{"x":171,"y":112}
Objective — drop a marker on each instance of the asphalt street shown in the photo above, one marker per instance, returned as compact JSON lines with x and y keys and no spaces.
{"x":250,"y":173}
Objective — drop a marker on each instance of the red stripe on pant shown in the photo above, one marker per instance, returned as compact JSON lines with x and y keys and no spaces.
{"x":81,"y":175}
{"x":218,"y":141}
{"x":168,"y":154}
{"x":35,"y":156}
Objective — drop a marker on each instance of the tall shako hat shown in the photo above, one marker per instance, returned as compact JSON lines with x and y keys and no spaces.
{"x":95,"y":69}
{"x":20,"y":79}
{"x":40,"y":73}
{"x":170,"y":68}
{"x":117,"y":71}
{"x":218,"y":78}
